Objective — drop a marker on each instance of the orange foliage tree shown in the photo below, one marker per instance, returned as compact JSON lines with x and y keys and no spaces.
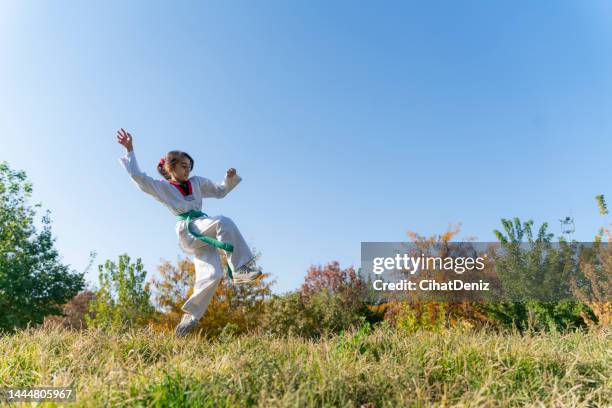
{"x":415,"y":314}
{"x":595,"y":289}
{"x":238,"y":306}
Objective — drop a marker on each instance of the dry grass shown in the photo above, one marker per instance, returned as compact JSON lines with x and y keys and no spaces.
{"x":365,"y":368}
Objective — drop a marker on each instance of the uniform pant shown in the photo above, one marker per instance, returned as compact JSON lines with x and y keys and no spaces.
{"x":208,"y":270}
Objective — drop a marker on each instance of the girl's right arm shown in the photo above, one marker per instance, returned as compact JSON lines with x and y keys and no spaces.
{"x":145,"y":183}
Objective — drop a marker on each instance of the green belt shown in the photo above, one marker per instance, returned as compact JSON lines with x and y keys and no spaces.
{"x":209,"y":240}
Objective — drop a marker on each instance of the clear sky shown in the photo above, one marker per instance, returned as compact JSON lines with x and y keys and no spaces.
{"x":348,"y":121}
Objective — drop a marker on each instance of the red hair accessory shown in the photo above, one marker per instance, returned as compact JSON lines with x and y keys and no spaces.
{"x":162,"y":161}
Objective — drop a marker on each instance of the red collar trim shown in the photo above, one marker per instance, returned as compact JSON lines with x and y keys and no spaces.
{"x":178,"y":186}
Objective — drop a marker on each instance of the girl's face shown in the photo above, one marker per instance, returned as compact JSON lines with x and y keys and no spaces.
{"x":180,"y":172}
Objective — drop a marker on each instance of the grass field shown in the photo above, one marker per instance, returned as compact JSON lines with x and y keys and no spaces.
{"x":364,"y":368}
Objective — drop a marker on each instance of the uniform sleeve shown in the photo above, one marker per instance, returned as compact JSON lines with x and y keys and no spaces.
{"x":147,"y":184}
{"x":210,"y":189}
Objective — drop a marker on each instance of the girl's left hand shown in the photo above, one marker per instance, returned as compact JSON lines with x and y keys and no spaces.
{"x":231,"y":172}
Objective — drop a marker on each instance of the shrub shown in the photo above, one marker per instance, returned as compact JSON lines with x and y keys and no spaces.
{"x":318,"y":315}
{"x":75,"y":311}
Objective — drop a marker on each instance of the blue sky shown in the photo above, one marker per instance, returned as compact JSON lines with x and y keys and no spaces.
{"x":347,"y":123}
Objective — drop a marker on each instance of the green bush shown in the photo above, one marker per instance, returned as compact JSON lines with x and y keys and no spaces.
{"x":429,"y":316}
{"x":317,"y":315}
{"x":539,"y":316}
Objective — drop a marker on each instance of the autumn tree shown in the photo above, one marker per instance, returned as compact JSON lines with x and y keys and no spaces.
{"x":421,"y":312}
{"x":331,"y":277}
{"x":239,"y":306}
{"x":593,"y":286}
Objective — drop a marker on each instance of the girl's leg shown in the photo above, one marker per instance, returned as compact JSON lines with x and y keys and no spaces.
{"x":208,"y":274}
{"x":224,"y":229}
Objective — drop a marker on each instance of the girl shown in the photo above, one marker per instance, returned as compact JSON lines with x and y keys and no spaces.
{"x":183,"y":195}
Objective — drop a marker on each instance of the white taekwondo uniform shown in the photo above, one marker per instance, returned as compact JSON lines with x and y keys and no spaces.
{"x":208,"y":270}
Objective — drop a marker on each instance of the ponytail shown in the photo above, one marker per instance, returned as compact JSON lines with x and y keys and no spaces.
{"x":171,"y":159}
{"x":162,"y":170}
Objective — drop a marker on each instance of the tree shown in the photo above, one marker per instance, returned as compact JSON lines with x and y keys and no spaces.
{"x":593,"y":287}
{"x":33,"y":281}
{"x":334,"y":279}
{"x":173,"y":288}
{"x":535,"y":269}
{"x":239,"y":306}
{"x":425,"y":311}
{"x":536,"y":279}
{"x":123,"y":298}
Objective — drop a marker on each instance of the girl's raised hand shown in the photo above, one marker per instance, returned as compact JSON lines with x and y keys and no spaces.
{"x":231,"y":172}
{"x":125,"y":139}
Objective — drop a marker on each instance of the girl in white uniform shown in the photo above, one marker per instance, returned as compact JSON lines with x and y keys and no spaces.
{"x":182,"y":194}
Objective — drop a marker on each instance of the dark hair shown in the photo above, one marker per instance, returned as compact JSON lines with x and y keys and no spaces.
{"x":171,"y":159}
